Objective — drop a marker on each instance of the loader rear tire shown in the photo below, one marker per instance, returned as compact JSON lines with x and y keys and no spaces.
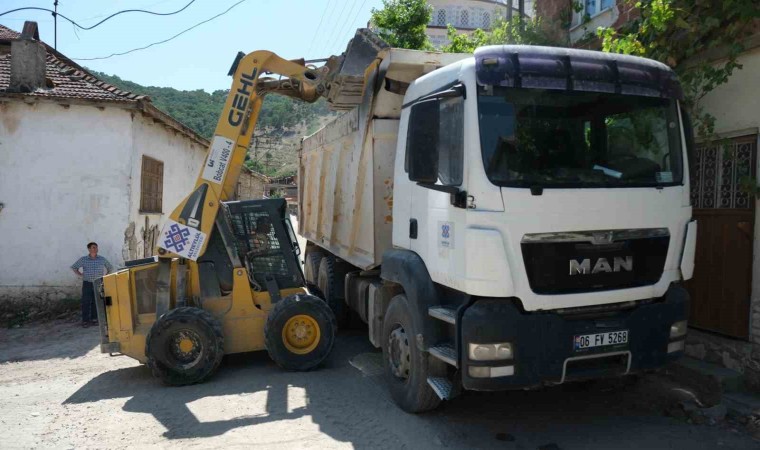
{"x":184,"y":346}
{"x":300,"y":332}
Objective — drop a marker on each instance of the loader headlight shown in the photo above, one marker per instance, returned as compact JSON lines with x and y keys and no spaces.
{"x":490,"y":352}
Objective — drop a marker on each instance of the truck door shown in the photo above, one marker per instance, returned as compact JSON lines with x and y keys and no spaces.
{"x":435,"y":157}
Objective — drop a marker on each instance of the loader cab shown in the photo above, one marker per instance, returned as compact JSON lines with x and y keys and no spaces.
{"x":255,"y":235}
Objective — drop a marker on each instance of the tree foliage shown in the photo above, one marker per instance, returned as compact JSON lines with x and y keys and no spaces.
{"x":681,"y":33}
{"x":402,"y":23}
{"x":200,"y":110}
{"x":517,"y":31}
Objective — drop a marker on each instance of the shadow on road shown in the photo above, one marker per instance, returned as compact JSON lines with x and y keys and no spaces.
{"x":350,"y":407}
{"x":249,"y":389}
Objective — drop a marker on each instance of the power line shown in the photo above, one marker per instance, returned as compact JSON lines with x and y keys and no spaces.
{"x":107,"y":18}
{"x":343,"y":26}
{"x":358,"y":12}
{"x":338,"y":21}
{"x":316,"y":32}
{"x":351,"y":23}
{"x":142,"y":6}
{"x":165,"y":40}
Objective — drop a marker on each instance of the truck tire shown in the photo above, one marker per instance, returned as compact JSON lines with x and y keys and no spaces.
{"x":300,"y":332}
{"x":406,"y":367}
{"x":327,"y":282}
{"x":311,"y":266}
{"x":184,"y":346}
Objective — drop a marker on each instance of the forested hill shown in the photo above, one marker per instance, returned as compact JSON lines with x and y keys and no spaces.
{"x":200,"y":110}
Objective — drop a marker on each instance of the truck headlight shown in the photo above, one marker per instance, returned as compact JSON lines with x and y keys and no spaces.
{"x":490,"y":352}
{"x":490,"y":372}
{"x":678,"y":329}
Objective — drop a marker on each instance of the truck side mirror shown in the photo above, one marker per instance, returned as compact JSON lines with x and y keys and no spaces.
{"x":422,"y":142}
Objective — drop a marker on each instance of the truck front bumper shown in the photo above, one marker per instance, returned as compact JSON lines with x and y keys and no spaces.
{"x":544,"y":344}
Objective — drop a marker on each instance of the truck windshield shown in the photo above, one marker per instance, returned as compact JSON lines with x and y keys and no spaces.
{"x":538,"y":138}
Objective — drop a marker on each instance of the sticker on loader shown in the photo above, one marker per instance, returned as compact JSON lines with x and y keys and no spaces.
{"x":218,"y":159}
{"x":182,"y":240}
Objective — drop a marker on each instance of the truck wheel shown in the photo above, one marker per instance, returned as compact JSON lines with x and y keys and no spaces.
{"x":328,"y":284}
{"x":311,"y":266}
{"x":184,"y":346}
{"x":300,"y":332}
{"x":406,"y":367}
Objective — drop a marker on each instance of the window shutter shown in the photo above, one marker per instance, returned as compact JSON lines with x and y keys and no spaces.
{"x":151,"y":185}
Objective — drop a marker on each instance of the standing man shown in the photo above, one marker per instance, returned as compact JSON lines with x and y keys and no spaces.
{"x":93,"y":267}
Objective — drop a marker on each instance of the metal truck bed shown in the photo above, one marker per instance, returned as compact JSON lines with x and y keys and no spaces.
{"x":345,"y":172}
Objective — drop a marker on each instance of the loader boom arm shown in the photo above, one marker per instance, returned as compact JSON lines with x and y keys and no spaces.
{"x":186,"y":232}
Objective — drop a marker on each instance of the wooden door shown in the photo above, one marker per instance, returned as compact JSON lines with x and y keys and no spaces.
{"x":721,"y":287}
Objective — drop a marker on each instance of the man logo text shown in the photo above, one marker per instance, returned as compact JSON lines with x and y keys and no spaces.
{"x":619,"y":264}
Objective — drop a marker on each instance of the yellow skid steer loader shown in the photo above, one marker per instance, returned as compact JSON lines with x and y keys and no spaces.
{"x":226,"y":278}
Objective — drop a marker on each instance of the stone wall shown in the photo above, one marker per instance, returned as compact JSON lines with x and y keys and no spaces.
{"x":250,"y":185}
{"x":743,"y":357}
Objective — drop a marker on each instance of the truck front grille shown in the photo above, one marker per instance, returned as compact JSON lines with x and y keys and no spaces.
{"x":563,"y":263}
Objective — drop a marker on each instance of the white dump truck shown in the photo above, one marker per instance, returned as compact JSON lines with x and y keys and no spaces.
{"x":507,"y":219}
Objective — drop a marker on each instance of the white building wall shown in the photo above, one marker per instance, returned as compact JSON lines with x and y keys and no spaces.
{"x":467,"y":15}
{"x":182,"y":160}
{"x":735,"y":108}
{"x":71,"y":175}
{"x":464,"y":15}
{"x":64,"y":181}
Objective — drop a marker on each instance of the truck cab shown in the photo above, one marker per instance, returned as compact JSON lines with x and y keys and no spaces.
{"x":541,"y":224}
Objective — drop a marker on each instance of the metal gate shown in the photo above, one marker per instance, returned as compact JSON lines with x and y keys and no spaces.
{"x":721,"y":287}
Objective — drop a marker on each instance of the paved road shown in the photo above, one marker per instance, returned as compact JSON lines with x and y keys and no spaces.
{"x":57,"y":391}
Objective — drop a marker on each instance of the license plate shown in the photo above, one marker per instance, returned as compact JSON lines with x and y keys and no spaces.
{"x":585,"y":341}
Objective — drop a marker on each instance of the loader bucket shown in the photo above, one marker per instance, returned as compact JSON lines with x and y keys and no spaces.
{"x":347,"y":86}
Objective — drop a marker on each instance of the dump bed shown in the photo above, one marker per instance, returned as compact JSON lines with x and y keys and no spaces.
{"x":345,"y":172}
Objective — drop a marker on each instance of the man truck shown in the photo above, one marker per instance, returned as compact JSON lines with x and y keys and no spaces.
{"x":508,"y":219}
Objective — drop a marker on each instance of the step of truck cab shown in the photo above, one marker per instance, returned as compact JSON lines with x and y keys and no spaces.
{"x":445,"y":352}
{"x":443,"y":387}
{"x":445,"y":313}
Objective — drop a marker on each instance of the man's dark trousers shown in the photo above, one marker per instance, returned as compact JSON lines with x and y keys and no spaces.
{"x":88,"y":302}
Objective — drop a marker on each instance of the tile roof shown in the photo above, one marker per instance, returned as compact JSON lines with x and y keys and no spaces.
{"x":68,"y":79}
{"x":6,"y":34}
{"x":68,"y":83}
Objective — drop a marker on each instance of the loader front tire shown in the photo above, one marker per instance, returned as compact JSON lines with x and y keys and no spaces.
{"x":300,"y":332}
{"x":184,"y":346}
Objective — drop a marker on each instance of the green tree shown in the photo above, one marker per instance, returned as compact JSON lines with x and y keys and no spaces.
{"x":402,"y":23}
{"x":200,"y":110}
{"x":517,"y":31}
{"x":680,"y":33}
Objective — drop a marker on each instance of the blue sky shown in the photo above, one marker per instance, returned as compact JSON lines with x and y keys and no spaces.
{"x":200,"y":58}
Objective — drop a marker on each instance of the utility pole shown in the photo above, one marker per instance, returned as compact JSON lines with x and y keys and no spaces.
{"x":521,"y":13}
{"x":509,"y":10}
{"x":55,"y":25}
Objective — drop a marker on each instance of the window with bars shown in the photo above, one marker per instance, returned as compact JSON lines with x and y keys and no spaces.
{"x":464,"y":19}
{"x":151,"y":185}
{"x":717,"y":172}
{"x":486,"y":21}
{"x":441,"y":18}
